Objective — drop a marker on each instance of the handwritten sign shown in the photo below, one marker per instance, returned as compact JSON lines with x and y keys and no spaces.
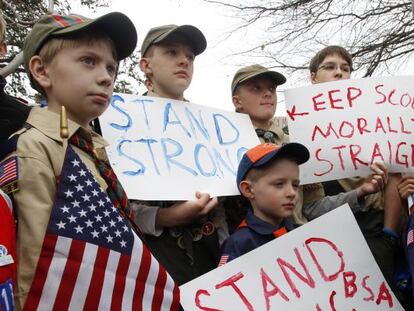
{"x":166,"y":149}
{"x":323,"y":265}
{"x":349,"y":124}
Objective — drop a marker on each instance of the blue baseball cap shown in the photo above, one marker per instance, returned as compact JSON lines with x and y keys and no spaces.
{"x":264,"y":153}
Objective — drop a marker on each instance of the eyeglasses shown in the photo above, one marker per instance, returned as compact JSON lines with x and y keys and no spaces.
{"x":333,"y":66}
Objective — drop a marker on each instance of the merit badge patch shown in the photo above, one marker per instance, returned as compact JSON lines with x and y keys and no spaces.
{"x":9,"y":175}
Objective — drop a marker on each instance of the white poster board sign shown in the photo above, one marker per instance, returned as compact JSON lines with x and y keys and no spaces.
{"x":323,"y":265}
{"x":162,"y":149}
{"x":349,"y":124}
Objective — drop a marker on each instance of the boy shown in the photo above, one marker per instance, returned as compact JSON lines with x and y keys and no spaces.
{"x":66,"y":193}
{"x":13,"y":111}
{"x":254,"y":93}
{"x":380,"y":213}
{"x":183,"y":236}
{"x":268,"y":178}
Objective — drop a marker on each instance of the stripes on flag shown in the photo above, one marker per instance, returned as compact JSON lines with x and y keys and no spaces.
{"x":8,"y":172}
{"x":223,"y":260}
{"x":90,"y":258}
{"x":410,"y":238}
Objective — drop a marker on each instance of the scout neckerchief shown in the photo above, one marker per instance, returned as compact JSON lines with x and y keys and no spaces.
{"x":83,"y":141}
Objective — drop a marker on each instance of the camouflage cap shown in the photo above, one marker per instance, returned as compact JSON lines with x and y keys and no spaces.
{"x":249,"y":72}
{"x":191,"y":34}
{"x":116,"y":25}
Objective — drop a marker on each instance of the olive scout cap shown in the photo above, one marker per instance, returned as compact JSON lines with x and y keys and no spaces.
{"x":116,"y":25}
{"x":249,"y":72}
{"x":191,"y":34}
{"x":264,"y":153}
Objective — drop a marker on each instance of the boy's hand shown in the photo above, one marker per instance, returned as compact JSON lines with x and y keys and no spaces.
{"x":374,"y":182}
{"x":406,"y":186}
{"x":182,"y":213}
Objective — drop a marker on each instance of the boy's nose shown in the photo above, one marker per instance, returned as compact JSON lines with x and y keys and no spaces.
{"x":104,"y":77}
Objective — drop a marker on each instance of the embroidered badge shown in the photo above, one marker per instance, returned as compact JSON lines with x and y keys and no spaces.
{"x":223,"y":260}
{"x":208,"y":228}
{"x":9,"y":175}
{"x":5,"y":259}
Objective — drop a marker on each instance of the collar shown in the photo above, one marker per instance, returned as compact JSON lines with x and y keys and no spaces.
{"x":153,"y":94}
{"x":264,"y":228}
{"x":48,"y":122}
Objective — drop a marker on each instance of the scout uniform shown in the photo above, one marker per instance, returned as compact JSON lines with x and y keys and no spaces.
{"x":41,"y":157}
{"x":40,"y":154}
{"x":253,"y":231}
{"x":191,"y":250}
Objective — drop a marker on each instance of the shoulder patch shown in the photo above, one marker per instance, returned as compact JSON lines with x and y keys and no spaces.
{"x":9,"y":175}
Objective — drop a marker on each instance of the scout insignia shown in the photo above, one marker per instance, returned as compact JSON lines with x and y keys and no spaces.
{"x":175,"y":232}
{"x":208,"y":228}
{"x":197,"y":234}
{"x":9,"y":175}
{"x":5,"y":258}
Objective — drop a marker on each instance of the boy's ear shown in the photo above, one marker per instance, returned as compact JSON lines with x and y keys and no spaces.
{"x":237,"y":103}
{"x":39,"y":72}
{"x":246,"y":189}
{"x":313,"y":77}
{"x":145,"y":65}
{"x":3,"y":48}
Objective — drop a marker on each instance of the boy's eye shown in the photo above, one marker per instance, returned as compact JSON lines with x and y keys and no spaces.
{"x":190,"y":57}
{"x":172,"y":52}
{"x":111,"y":70}
{"x":272,"y":89}
{"x":88,"y":60}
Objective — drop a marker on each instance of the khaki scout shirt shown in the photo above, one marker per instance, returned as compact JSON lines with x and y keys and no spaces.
{"x":40,"y":152}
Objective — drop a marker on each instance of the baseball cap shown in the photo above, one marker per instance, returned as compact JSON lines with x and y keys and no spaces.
{"x":264,"y":153}
{"x":249,"y":72}
{"x":116,"y":25}
{"x":192,"y":34}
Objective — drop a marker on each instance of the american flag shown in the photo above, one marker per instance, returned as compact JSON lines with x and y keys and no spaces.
{"x":90,"y":258}
{"x":223,"y":260}
{"x":410,"y":237}
{"x":8,"y":171}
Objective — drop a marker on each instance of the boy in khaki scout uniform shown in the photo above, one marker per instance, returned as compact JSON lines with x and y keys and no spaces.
{"x":73,"y":61}
{"x":380,"y":213}
{"x":254,"y":93}
{"x":183,"y":236}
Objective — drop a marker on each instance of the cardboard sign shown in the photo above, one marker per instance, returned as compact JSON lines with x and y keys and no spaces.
{"x":162,"y":149}
{"x":323,"y":265}
{"x":349,"y":124}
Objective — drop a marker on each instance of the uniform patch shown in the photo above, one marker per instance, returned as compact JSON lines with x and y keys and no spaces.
{"x":223,"y":260}
{"x":410,"y":238}
{"x":6,"y":296}
{"x":9,"y":175}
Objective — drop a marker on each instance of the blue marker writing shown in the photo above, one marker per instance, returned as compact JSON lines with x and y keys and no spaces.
{"x":127,"y":126}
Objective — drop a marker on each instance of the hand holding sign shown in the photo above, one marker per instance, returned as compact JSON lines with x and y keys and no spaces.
{"x":348,"y":125}
{"x":182,"y":213}
{"x":374,"y":182}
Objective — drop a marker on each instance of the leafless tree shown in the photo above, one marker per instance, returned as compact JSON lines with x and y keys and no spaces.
{"x":21,"y":16}
{"x":378,"y":33}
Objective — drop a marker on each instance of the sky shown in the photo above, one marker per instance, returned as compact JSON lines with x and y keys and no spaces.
{"x":215,"y":68}
{"x":212,"y":74}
